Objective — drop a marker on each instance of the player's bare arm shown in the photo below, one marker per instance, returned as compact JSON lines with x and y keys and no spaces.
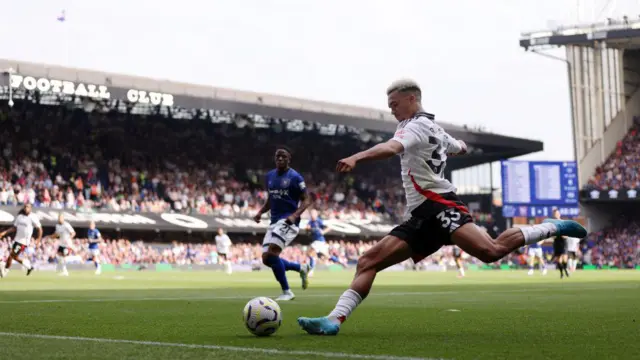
{"x":378,"y":152}
{"x":305,"y":202}
{"x":8,"y":231}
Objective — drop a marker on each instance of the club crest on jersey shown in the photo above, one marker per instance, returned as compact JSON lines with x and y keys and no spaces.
{"x":285,"y":182}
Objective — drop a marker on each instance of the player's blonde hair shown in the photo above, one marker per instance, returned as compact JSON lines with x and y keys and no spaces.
{"x":405,"y":85}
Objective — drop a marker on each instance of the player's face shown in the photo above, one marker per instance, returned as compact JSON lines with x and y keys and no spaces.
{"x":220,"y":232}
{"x":402,"y":105}
{"x":92,"y":225}
{"x":556,"y":214}
{"x":27,"y":209}
{"x":60,"y":219}
{"x":282,"y":159}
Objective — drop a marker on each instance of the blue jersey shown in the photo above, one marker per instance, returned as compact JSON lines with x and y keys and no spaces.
{"x":94,"y":237}
{"x":316,"y":227}
{"x":285,"y":193}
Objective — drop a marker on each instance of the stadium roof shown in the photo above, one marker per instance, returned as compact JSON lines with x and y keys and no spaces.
{"x":616,"y":33}
{"x":163,"y":92}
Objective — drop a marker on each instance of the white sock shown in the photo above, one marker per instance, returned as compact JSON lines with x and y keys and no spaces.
{"x":26,"y":264}
{"x":534,"y":233}
{"x":462,"y":271}
{"x":348,"y":302}
{"x":227,"y":266}
{"x":64,"y":265}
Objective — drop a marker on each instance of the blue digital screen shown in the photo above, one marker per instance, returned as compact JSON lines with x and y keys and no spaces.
{"x":539,"y":186}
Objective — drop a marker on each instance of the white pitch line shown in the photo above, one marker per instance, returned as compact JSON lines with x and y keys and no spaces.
{"x":216,"y":347}
{"x":242,"y":297}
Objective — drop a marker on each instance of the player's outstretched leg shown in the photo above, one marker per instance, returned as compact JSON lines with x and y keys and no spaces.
{"x":389,"y":251}
{"x":470,"y":238}
{"x":271,"y":258}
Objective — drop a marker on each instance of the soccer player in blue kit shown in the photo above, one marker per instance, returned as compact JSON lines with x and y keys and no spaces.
{"x":288,"y":199}
{"x":95,"y":238}
{"x":319,"y":247}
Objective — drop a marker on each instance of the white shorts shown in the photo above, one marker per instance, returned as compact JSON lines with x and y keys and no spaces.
{"x":321,"y":247}
{"x":537,"y":252}
{"x":280,"y":234}
{"x":94,"y":252}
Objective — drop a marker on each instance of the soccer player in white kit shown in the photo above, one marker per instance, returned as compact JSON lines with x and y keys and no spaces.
{"x":64,"y":232}
{"x":535,"y":252}
{"x":23,"y":225}
{"x":435,"y":216}
{"x":223,"y":246}
{"x":572,"y":249}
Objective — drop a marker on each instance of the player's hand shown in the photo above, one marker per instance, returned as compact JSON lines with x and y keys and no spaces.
{"x":463,"y":145}
{"x":257,"y":218}
{"x":291,"y":220}
{"x":346,"y":164}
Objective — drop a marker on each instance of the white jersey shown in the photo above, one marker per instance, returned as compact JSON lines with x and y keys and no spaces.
{"x":426,"y":146}
{"x":24,"y":225}
{"x":223,"y":243}
{"x":64,"y":232}
{"x":572,"y":244}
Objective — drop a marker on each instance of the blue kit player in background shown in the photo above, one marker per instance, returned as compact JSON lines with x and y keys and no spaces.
{"x":287,"y":201}
{"x":95,"y":238}
{"x":319,"y":247}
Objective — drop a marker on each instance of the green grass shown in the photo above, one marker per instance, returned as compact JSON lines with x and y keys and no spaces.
{"x":502,"y":315}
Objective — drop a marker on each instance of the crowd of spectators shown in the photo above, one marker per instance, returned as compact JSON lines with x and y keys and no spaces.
{"x":621,"y":169}
{"x":617,"y":245}
{"x":64,"y":158}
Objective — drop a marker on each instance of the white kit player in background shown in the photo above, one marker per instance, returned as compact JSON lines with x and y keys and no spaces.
{"x":535,"y":253}
{"x":23,"y":225}
{"x":572,"y":250}
{"x":223,"y":245}
{"x":65,"y":233}
{"x":435,"y":215}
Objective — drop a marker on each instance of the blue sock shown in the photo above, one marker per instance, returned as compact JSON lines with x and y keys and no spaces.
{"x":278,"y":268}
{"x":288,"y":266}
{"x":312,"y":262}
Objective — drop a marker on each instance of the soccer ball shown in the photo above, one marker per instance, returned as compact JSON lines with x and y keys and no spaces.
{"x":262,"y":316}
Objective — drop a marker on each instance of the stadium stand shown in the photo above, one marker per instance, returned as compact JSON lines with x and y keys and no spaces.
{"x":70,"y":159}
{"x":621,"y":169}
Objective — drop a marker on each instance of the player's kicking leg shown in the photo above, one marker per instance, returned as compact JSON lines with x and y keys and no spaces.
{"x":479,"y":244}
{"x":392,"y":250}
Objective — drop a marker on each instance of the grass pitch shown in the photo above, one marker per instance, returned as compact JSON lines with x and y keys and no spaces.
{"x":198,"y":315}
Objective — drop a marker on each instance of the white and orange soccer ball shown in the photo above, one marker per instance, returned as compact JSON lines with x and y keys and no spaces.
{"x":262,"y":316}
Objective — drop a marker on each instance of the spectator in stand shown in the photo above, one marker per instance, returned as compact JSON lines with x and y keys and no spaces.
{"x":620,"y":170}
